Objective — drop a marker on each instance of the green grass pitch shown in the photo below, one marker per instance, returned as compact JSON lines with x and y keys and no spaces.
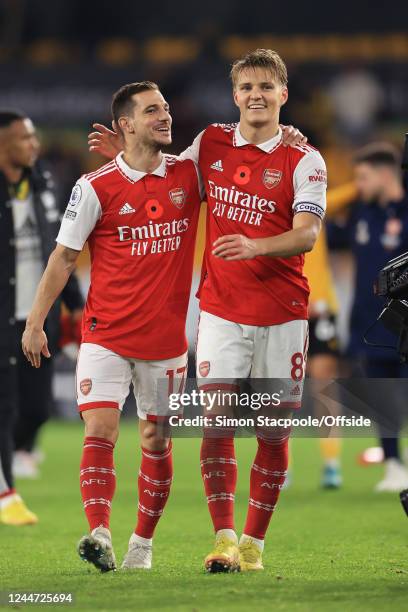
{"x":326,"y":550}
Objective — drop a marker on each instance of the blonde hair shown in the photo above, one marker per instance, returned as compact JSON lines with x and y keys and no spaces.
{"x":261,"y":58}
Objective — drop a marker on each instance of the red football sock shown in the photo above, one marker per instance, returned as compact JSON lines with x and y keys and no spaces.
{"x":268,"y":474}
{"x":154,"y":482}
{"x":219,"y":473}
{"x":98,"y":480}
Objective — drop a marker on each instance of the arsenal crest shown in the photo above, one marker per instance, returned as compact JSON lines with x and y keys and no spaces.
{"x":204,"y":368}
{"x":271,"y":178}
{"x":85,"y":386}
{"x":178,"y":197}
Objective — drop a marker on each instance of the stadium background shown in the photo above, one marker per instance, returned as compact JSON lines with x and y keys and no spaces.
{"x":60,"y":62}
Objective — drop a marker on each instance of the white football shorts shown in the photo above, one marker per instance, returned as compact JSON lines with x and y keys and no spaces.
{"x":228,"y":352}
{"x":103,"y":380}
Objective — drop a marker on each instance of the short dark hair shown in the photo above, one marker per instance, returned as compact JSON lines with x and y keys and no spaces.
{"x":122,"y":103}
{"x":8,"y":116}
{"x":379,"y":154}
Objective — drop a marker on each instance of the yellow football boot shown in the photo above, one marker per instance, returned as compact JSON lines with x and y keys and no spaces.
{"x":224,"y":557}
{"x":16,"y":513}
{"x":250,"y":556}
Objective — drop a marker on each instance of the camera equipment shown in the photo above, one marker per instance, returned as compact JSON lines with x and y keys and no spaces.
{"x":394,"y":317}
{"x":392,"y":283}
{"x":392,"y":280}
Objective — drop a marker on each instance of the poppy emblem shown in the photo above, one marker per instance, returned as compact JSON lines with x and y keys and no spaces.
{"x":178,"y":197}
{"x":85,"y":386}
{"x":204,"y":368}
{"x":242,"y":175}
{"x":154,"y":209}
{"x":271,"y":178}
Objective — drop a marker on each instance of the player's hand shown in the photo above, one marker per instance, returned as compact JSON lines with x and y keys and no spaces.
{"x":105,"y":141}
{"x":291,"y":136}
{"x":235,"y":247}
{"x":34,"y":344}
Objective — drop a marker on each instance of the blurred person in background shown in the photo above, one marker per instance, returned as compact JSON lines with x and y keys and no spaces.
{"x":358,"y":98}
{"x":12,"y":508}
{"x":376,"y":230}
{"x":29,"y":221}
{"x":323,"y":355}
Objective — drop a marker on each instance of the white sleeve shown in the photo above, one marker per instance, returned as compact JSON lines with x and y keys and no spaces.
{"x":81,"y":215}
{"x":193,"y":151}
{"x":310,"y":184}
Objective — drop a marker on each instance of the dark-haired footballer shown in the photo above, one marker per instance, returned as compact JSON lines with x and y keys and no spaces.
{"x":139,"y":215}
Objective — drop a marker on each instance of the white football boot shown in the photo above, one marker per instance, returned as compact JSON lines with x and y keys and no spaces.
{"x":25,"y":465}
{"x":395,"y":478}
{"x":139,"y":554}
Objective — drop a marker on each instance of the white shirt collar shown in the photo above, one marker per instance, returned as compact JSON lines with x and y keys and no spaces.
{"x":266,"y":146}
{"x":136,"y":175}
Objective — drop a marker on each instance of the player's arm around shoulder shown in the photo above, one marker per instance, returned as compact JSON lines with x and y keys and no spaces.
{"x":104,"y":141}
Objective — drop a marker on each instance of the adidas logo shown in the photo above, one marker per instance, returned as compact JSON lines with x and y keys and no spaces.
{"x":296,"y":391}
{"x":126,"y":209}
{"x":217,"y":166}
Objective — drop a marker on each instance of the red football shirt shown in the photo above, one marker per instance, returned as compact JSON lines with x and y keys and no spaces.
{"x":255,"y":190}
{"x":141,"y":231}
